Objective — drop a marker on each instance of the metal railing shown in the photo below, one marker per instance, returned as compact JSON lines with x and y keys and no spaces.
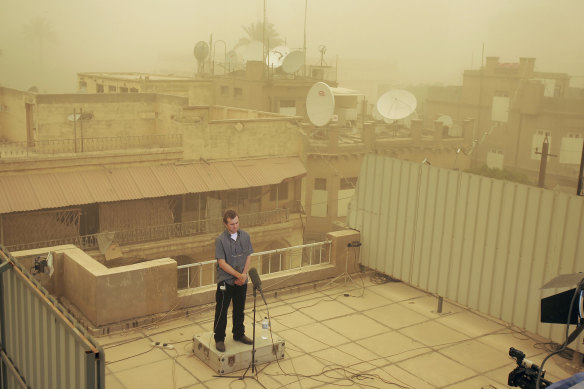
{"x":169,"y":231}
{"x":203,"y":273}
{"x":81,"y":145}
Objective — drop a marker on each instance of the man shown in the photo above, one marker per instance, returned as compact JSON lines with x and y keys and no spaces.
{"x":232,"y":251}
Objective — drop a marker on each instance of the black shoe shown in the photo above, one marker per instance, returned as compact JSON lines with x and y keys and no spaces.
{"x":243,"y":339}
{"x":220,"y":345}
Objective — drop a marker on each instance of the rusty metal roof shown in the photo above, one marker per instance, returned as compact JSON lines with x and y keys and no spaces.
{"x":30,"y":192}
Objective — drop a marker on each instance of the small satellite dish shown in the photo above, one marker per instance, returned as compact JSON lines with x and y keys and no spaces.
{"x":446,"y":121}
{"x":293,"y":61}
{"x":276,"y":56}
{"x":201,"y":50}
{"x":80,"y":116}
{"x":320,"y":104}
{"x":396,"y":104}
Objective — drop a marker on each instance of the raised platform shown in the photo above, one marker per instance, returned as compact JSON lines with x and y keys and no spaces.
{"x":237,"y":356}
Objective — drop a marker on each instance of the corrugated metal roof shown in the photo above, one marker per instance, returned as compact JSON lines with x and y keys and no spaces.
{"x":40,"y":191}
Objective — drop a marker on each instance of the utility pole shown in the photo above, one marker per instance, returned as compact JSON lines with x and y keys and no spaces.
{"x":581,"y":174}
{"x":543,"y":164}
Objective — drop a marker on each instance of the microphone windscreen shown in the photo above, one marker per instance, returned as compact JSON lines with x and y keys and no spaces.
{"x":255,"y":277}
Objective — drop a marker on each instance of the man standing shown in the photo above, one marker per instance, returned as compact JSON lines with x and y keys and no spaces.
{"x":232,"y":251}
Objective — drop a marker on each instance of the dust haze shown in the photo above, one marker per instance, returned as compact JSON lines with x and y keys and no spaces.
{"x":373,"y":42}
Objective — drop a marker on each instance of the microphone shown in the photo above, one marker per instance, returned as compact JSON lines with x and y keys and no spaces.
{"x":255,"y":278}
{"x":257,"y":283}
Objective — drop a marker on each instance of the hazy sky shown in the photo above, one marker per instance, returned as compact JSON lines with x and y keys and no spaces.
{"x":376,"y":41}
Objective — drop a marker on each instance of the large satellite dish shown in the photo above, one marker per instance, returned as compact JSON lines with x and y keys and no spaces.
{"x":320,"y":104}
{"x":201,"y":50}
{"x":396,"y":104}
{"x":276,"y":56}
{"x":293,"y":61}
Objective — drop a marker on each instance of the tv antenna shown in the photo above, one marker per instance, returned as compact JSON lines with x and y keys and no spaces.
{"x":322,"y":49}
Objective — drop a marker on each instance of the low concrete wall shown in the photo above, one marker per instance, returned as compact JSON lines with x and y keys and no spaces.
{"x":103,"y":295}
{"x":111,"y":298}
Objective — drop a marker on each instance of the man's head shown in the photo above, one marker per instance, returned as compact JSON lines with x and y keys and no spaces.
{"x":231,"y":221}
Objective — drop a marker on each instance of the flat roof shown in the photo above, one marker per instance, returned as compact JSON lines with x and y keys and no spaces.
{"x":134,"y":76}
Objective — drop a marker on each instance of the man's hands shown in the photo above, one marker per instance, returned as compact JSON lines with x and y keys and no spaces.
{"x":241,"y":279}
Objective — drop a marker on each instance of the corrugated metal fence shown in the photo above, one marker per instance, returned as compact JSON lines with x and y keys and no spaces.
{"x":42,"y":346}
{"x":484,"y":243}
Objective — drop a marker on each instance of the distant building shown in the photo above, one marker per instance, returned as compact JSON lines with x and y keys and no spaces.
{"x":145,"y":172}
{"x":514,"y":108}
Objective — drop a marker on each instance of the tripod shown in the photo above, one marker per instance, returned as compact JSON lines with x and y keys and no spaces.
{"x":346,"y":274}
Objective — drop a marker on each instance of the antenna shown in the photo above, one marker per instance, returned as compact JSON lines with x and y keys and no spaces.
{"x":201,"y":51}
{"x":396,"y":104}
{"x":320,"y":104}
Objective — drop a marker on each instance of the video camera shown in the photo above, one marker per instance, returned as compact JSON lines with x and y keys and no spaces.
{"x":526,"y":372}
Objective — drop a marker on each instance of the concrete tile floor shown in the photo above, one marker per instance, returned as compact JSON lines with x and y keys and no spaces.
{"x":360,"y":334}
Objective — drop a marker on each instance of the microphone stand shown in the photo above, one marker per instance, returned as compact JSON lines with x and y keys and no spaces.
{"x":253,"y":350}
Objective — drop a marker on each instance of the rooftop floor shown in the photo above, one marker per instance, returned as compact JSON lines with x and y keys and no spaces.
{"x":370,"y":333}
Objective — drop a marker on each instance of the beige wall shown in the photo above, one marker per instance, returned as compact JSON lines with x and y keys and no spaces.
{"x":114,"y":115}
{"x":105,"y":295}
{"x":13,"y":114}
{"x":235,"y":139}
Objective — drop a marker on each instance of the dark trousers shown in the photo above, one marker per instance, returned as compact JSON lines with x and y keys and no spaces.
{"x":223,"y":299}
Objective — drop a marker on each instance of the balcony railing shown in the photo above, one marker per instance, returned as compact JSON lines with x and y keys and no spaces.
{"x":83,"y":145}
{"x":199,"y":274}
{"x":154,"y":233}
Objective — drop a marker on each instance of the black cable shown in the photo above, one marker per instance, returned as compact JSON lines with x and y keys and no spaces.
{"x":566,"y":342}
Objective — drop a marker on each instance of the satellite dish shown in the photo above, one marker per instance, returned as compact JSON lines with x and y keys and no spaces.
{"x":276,"y":56}
{"x":293,"y":61}
{"x":446,"y":121}
{"x":201,"y":50}
{"x":320,"y":104}
{"x":79,"y":116}
{"x":396,"y":104}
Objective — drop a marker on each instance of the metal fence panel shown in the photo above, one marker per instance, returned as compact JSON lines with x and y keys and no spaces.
{"x":484,"y":243}
{"x":42,"y":346}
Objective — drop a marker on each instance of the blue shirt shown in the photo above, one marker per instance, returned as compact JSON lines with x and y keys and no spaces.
{"x":234,"y":252}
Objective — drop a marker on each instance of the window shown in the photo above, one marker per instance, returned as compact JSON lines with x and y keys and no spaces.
{"x":123,"y":89}
{"x":133,"y":90}
{"x":571,"y":149}
{"x":319,"y":203}
{"x":537,"y":143}
{"x":99,"y":88}
{"x":500,"y":109}
{"x":281,"y":191}
{"x":348,"y":183}
{"x":111,"y":88}
{"x":495,"y":159}
{"x":320,"y":183}
{"x":224,"y":90}
{"x":288,"y":107}
{"x":237,"y":92}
